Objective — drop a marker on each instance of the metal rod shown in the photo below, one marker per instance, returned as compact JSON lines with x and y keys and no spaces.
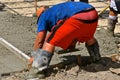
{"x":103,"y":10}
{"x":36,"y":5}
{"x":13,"y":48}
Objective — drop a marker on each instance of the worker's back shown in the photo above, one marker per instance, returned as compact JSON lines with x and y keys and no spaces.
{"x":60,"y":12}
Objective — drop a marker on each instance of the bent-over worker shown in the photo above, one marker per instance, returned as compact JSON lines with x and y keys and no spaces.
{"x":67,"y":23}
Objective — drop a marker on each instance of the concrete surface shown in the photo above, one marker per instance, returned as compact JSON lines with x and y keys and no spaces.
{"x":20,"y":30}
{"x":9,"y":62}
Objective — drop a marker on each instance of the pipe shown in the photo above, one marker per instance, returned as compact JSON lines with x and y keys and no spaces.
{"x":13,"y":49}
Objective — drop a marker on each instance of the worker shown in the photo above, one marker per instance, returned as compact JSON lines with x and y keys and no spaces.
{"x":67,"y":23}
{"x":114,"y":11}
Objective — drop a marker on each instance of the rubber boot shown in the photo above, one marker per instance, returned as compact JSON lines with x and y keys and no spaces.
{"x":111,"y":25}
{"x":93,"y":50}
{"x":40,"y":64}
{"x":42,"y":59}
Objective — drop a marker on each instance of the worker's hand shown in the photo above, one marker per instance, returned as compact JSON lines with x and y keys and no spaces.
{"x":32,"y":59}
{"x":30,"y":63}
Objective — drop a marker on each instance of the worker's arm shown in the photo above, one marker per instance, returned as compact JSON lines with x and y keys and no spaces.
{"x":39,"y":40}
{"x":37,"y":45}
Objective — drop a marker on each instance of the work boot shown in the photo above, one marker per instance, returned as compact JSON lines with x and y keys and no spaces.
{"x":111,"y":25}
{"x":41,"y":60}
{"x":93,"y":50}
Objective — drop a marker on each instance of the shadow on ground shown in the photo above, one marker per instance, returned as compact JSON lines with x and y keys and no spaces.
{"x":85,"y":64}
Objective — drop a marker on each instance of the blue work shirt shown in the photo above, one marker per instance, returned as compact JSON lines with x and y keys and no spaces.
{"x":58,"y":12}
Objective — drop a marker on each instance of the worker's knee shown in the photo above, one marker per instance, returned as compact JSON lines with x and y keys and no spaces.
{"x":48,"y":47}
{"x":91,"y":41}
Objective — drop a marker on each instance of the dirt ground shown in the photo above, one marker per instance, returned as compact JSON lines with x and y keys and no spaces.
{"x":21,"y":32}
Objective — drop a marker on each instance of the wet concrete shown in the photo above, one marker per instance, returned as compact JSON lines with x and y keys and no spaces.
{"x":18,"y":30}
{"x":9,"y":62}
{"x":21,"y":32}
{"x":11,"y":27}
